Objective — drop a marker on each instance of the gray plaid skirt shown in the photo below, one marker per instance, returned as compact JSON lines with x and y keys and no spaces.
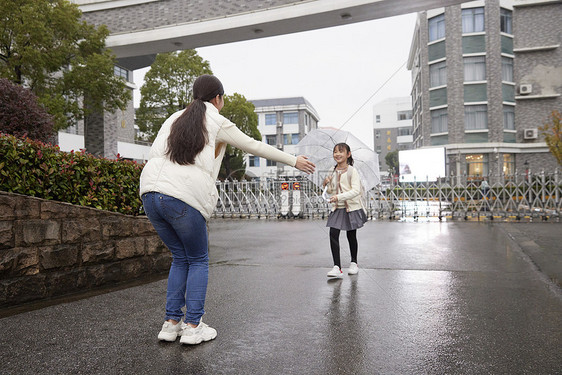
{"x":343,"y":220}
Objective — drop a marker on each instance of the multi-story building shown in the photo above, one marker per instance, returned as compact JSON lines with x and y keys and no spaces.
{"x":466,"y":83}
{"x":538,"y":73}
{"x":282,"y":123}
{"x":108,"y":134}
{"x":392,"y":127}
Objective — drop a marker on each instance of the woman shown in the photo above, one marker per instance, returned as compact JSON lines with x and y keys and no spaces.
{"x":177,"y":187}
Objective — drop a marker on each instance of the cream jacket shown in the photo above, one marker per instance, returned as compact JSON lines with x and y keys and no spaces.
{"x":346,"y":192}
{"x":195,"y":184}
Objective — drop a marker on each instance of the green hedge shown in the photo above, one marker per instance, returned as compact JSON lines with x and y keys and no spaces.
{"x":41,"y":170}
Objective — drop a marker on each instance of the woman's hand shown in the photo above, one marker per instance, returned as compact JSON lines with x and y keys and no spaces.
{"x":304,"y":165}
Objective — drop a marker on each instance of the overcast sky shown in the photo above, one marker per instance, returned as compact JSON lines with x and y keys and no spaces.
{"x":336,"y":69}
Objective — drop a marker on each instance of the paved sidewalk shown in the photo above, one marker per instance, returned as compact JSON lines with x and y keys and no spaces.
{"x":430,"y":298}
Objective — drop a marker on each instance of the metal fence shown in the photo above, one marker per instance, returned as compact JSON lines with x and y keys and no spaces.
{"x":455,"y":197}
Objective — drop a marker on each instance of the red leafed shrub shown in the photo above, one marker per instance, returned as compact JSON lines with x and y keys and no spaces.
{"x":21,"y":115}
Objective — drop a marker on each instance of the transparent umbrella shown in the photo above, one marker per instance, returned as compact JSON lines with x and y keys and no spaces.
{"x":319,"y":144}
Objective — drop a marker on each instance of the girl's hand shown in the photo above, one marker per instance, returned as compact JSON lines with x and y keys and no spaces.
{"x":304,"y":165}
{"x":334,"y":199}
{"x":327,"y":180}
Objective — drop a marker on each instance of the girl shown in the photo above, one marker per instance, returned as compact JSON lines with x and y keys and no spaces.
{"x":177,"y":187}
{"x":347,"y":213}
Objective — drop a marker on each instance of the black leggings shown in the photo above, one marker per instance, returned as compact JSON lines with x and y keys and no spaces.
{"x":335,"y":245}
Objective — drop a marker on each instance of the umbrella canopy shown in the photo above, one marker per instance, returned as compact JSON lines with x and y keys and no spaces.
{"x":319,"y":144}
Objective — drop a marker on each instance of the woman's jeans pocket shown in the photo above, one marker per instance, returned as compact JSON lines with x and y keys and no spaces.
{"x":173,"y":208}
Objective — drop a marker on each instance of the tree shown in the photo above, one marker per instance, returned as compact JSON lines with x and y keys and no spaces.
{"x":391,"y":160}
{"x":241,"y":112}
{"x":21,"y":115}
{"x":46,"y":47}
{"x":552,"y":133}
{"x":168,"y":87}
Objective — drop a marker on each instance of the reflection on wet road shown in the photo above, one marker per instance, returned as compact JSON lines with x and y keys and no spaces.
{"x":430,"y":298}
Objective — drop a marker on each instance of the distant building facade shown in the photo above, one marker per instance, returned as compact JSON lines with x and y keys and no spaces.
{"x":282,"y":122}
{"x":110,"y":134}
{"x":467,"y":83}
{"x":538,"y":73}
{"x":392,"y":127}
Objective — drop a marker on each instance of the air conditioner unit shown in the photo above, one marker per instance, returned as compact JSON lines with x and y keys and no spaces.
{"x":280,"y":145}
{"x":525,"y":89}
{"x":530,"y":133}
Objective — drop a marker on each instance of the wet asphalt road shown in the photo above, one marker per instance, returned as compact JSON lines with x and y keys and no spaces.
{"x":430,"y":298}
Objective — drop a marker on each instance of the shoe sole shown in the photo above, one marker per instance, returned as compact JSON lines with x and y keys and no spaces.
{"x":335,"y":277}
{"x":352,"y":272}
{"x":198,"y":340}
{"x":169,"y":337}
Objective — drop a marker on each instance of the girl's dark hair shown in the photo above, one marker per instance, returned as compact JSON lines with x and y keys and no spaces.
{"x":341,"y":147}
{"x":188,"y":135}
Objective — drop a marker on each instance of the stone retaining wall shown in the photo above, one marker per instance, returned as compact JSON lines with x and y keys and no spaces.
{"x":50,"y":249}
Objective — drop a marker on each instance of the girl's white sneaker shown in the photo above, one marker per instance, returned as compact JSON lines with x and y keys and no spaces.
{"x":335,"y":272}
{"x":353,"y":269}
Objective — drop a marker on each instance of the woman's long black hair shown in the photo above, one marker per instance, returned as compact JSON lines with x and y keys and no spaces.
{"x":188,"y":135}
{"x":344,"y":146}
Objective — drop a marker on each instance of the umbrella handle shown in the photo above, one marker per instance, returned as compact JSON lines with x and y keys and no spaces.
{"x":325,"y":193}
{"x":331,"y":176}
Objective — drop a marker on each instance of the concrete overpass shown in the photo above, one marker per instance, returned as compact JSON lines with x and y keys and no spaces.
{"x":142,"y":28}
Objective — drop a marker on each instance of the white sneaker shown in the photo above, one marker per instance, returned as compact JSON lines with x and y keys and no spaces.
{"x":353,"y":269}
{"x":335,"y":272}
{"x":195,"y":335}
{"x":170,"y":331}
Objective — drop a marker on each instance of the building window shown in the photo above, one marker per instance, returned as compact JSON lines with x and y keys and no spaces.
{"x":271,"y":140}
{"x":505,"y":21}
{"x":475,"y":117}
{"x":291,"y":139}
{"x":254,"y":161}
{"x":439,"y":121}
{"x":404,"y":131}
{"x":476,"y":166}
{"x":475,"y":68}
{"x":290,"y":118}
{"x":472,"y":20}
{"x":507,"y":69}
{"x":378,"y":118}
{"x":378,"y":149}
{"x":438,"y":74}
{"x":404,"y":115}
{"x":508,"y":117}
{"x":295,"y":138}
{"x":270,"y":119}
{"x":436,"y":27}
{"x":377,"y":134}
{"x":271,"y":163}
{"x":508,"y":164}
{"x":121,"y":72}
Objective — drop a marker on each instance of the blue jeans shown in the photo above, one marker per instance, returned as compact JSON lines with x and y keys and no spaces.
{"x":184,"y":231}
